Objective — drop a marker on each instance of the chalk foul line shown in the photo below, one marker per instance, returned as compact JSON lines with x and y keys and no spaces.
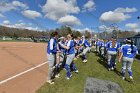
{"x":17,"y":75}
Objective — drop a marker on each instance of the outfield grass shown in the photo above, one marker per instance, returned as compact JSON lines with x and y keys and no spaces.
{"x":8,"y":40}
{"x":97,"y":69}
{"x":12,"y":41}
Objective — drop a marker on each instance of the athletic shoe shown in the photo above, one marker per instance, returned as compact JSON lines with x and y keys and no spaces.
{"x":123,"y":78}
{"x":76,"y":71}
{"x":112,"y":68}
{"x":50,"y":82}
{"x":71,"y":75}
{"x":57,"y":76}
{"x":109,"y":69}
{"x":54,"y":67}
{"x":68,"y":78}
{"x":75,"y":58}
{"x":131,"y":77}
{"x":80,"y":54}
{"x":84,"y":61}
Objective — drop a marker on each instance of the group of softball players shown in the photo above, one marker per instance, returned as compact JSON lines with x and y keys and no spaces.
{"x":62,"y":52}
{"x":110,"y":49}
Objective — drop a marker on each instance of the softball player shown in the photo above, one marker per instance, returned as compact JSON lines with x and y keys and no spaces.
{"x":51,"y":53}
{"x":90,"y":45}
{"x":62,"y":51}
{"x":60,"y":58}
{"x":128,"y":52}
{"x":98,"y":45}
{"x":70,"y":56}
{"x":85,"y":43}
{"x":76,"y":47}
{"x":102,"y":49}
{"x":112,"y":49}
{"x":80,"y":47}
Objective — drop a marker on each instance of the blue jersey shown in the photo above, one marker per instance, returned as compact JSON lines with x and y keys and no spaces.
{"x":85,"y":43}
{"x":80,"y":41}
{"x":126,"y":50}
{"x":52,"y":46}
{"x":70,"y":44}
{"x":63,"y":50}
{"x":98,"y":43}
{"x":102,"y":44}
{"x":107,"y":42}
{"x":110,"y":48}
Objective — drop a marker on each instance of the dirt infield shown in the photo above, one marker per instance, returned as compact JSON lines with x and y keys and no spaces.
{"x":22,"y":66}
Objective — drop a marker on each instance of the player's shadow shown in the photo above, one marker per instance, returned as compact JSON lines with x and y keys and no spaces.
{"x":117,"y":72}
{"x":102,"y":62}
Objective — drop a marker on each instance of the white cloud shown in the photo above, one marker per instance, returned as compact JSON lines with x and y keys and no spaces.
{"x":33,"y":28}
{"x":6,"y":22}
{"x":14,"y":5}
{"x":84,"y":29}
{"x":55,"y":9}
{"x":105,"y":28}
{"x":5,"y":7}
{"x":1,"y":15}
{"x":118,"y":15}
{"x":102,"y":27}
{"x":114,"y":17}
{"x":89,"y":6}
{"x":20,"y":4}
{"x":30,"y":24}
{"x":31,"y":14}
{"x":20,"y":21}
{"x":125,"y":10}
{"x":137,"y":30}
{"x":69,"y":20}
{"x":132,"y":25}
{"x":21,"y":25}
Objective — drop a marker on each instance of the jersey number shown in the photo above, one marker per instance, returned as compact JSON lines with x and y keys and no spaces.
{"x":129,"y":51}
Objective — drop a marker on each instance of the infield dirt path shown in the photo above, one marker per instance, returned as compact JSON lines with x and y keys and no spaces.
{"x":17,"y":57}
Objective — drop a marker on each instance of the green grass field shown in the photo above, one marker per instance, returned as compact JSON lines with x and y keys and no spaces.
{"x":8,"y":40}
{"x":13,"y":41}
{"x":97,"y":69}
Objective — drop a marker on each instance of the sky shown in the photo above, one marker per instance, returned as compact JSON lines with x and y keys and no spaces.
{"x":80,"y":15}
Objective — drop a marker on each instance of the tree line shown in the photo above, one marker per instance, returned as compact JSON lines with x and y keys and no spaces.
{"x":17,"y":32}
{"x":63,"y":31}
{"x":117,"y":34}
